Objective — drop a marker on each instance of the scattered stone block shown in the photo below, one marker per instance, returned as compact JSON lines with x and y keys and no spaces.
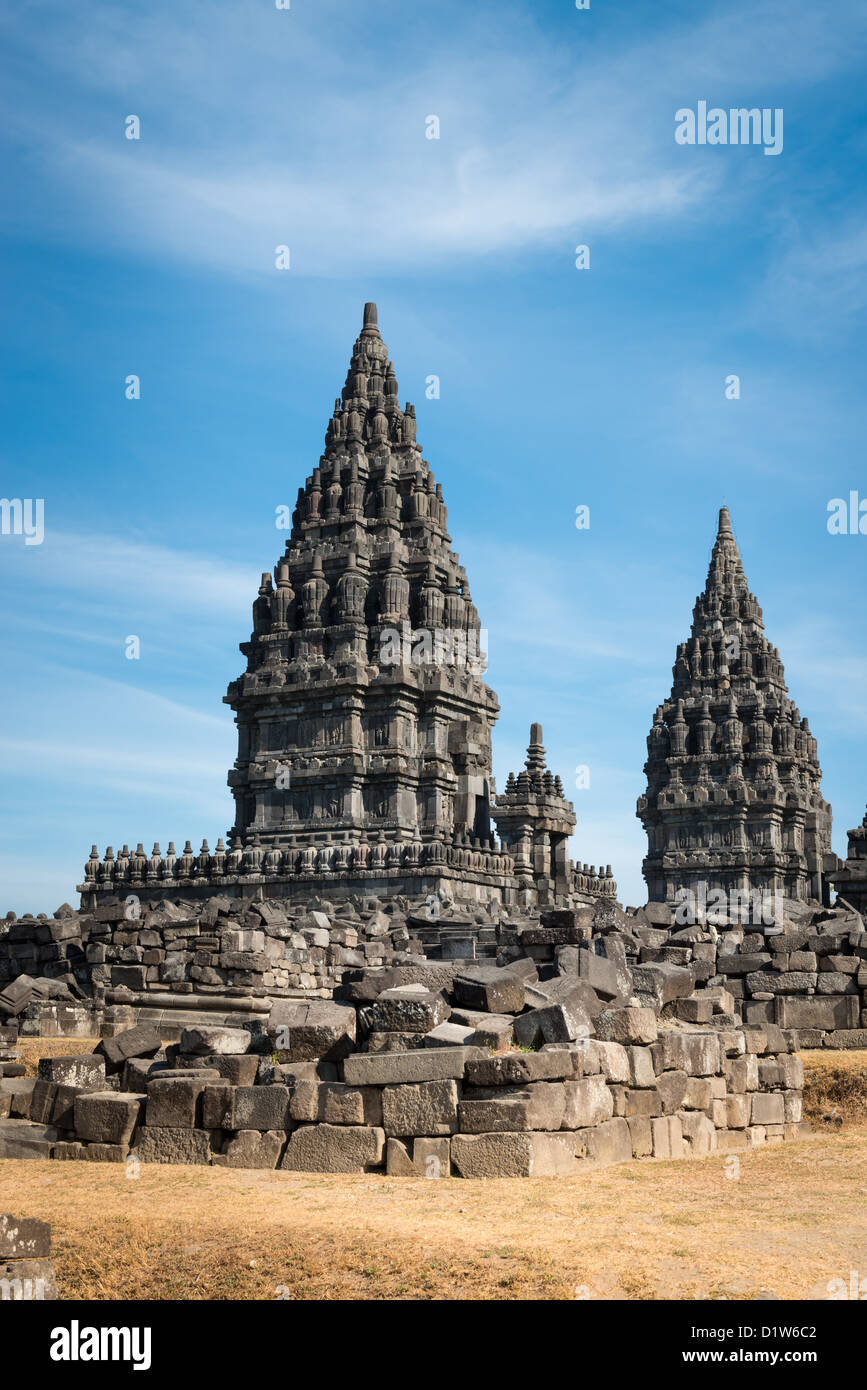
{"x":107,"y":1117}
{"x":164,"y":1144}
{"x":334,"y":1149}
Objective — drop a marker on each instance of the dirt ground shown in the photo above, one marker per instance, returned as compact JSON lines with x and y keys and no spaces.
{"x":779,"y":1222}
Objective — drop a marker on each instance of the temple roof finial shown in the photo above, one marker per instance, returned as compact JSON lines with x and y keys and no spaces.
{"x":724,"y":531}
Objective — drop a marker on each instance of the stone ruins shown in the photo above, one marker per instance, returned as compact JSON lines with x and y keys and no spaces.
{"x":367,"y":977}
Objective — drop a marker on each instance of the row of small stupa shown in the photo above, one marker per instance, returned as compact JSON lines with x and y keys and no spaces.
{"x":364,"y":722}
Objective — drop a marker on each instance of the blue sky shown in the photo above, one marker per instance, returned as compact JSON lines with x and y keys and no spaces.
{"x":559,"y":386}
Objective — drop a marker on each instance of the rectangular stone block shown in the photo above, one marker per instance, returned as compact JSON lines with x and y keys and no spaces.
{"x":641,"y":1133}
{"x":304,"y":1029}
{"x":424,"y":1108}
{"x":334,"y":1149}
{"x":24,"y":1238}
{"x":539,"y":1106}
{"x":87,"y":1070}
{"x":667,"y":1133}
{"x":251,"y":1148}
{"x":627,"y":1026}
{"x":520,"y":1155}
{"x":699,"y":1133}
{"x":213,"y":1041}
{"x":418,"y":1158}
{"x":589,"y":1102}
{"x":142,"y":1041}
{"x":108,"y":1117}
{"x":698,"y":1054}
{"x":520,"y":1068}
{"x":613,"y":1060}
{"x":386,"y":1069}
{"x":260,"y":1107}
{"x":610,"y":1142}
{"x":164,"y":1144}
{"x":767,"y":1109}
{"x":318,"y":1102}
{"x":737,"y":1111}
{"x":173,"y":1100}
{"x":408,"y":1009}
{"x":825,"y":1012}
{"x":491,"y":988}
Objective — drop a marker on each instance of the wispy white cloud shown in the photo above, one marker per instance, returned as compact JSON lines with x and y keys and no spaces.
{"x":350,"y":182}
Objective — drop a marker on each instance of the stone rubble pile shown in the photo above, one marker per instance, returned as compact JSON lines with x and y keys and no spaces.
{"x":564,"y":1053}
{"x":808,"y":973}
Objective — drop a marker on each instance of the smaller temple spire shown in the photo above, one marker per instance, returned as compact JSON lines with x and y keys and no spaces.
{"x":536,"y":752}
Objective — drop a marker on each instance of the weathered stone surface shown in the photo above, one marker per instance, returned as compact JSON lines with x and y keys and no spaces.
{"x":335,"y":1103}
{"x":613,"y":1060}
{"x":515,"y":1155}
{"x":819,"y":1011}
{"x":21,"y":1139}
{"x":24,"y":1238}
{"x":519,"y":1068}
{"x":334,"y":1149}
{"x":627,"y":1026}
{"x":539,"y":1106}
{"x":588,"y":1102}
{"x":408,"y":1009}
{"x":672,"y":1087}
{"x":767,"y":1108}
{"x":426,"y":1108}
{"x":449,"y":1035}
{"x":386,"y":1069}
{"x":252,"y":1148}
{"x":142,"y":1041}
{"x":496,"y":990}
{"x":107,"y":1117}
{"x":173,"y":1100}
{"x":29,"y":1280}
{"x":699,"y":1132}
{"x":303,"y":1029}
{"x":167,"y":1145}
{"x":667,"y":1134}
{"x":698,"y":1054}
{"x":206,"y":1042}
{"x":260,"y":1107}
{"x":610,"y":1142}
{"x":87,"y":1070}
{"x":418,"y":1158}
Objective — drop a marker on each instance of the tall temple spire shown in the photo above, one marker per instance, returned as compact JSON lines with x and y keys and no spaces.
{"x":734,"y":785}
{"x":362,"y":709}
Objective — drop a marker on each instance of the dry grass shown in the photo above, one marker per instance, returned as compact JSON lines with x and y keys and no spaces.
{"x":793,"y":1218}
{"x":32,"y":1049}
{"x":835,"y":1088}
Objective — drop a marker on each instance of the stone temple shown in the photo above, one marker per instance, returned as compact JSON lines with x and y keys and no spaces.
{"x":734,"y":797}
{"x":364,"y":722}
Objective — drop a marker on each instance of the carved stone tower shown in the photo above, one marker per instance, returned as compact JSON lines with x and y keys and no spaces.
{"x":364,"y":724}
{"x":535,"y":821}
{"x":733,"y":795}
